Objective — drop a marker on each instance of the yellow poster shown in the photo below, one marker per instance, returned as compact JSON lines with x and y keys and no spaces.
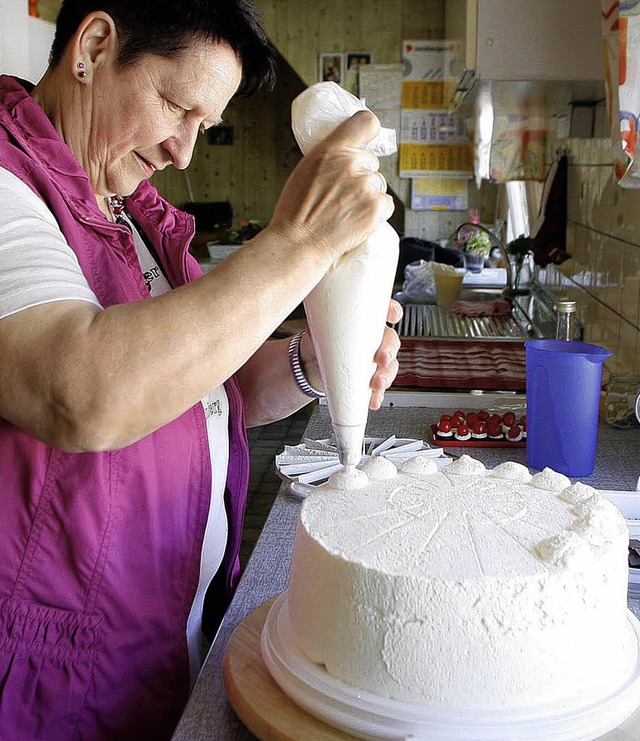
{"x":423,"y":95}
{"x":436,"y":160}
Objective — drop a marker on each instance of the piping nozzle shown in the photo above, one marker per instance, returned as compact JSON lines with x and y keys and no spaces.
{"x":350,"y":443}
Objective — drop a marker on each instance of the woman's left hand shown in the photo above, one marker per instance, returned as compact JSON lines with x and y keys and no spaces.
{"x":385,"y":358}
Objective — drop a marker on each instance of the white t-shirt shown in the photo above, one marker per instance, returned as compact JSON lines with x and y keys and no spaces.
{"x":37,"y":266}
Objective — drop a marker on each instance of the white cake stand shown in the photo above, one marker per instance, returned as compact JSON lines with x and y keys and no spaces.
{"x":368,"y":716}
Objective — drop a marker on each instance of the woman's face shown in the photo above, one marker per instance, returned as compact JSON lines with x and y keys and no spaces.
{"x":147,"y":116}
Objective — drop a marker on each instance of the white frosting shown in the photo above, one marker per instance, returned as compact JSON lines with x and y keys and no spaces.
{"x":550,"y":479}
{"x":380,"y":468}
{"x":588,"y":506}
{"x":467,"y":465}
{"x":513,"y":471}
{"x":461,"y":589}
{"x":576,"y":493}
{"x":602,"y":525}
{"x":420,"y":465}
{"x":347,"y":478}
{"x":566,"y":549}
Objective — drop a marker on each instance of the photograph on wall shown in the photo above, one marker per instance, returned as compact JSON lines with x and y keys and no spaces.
{"x":331,"y":68}
{"x":357,"y":59}
{"x":355,"y":62}
{"x":46,"y":10}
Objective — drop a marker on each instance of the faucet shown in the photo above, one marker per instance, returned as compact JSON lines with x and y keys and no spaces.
{"x":495,"y":242}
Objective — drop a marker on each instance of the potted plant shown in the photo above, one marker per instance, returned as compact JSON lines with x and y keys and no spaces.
{"x":475,"y":250}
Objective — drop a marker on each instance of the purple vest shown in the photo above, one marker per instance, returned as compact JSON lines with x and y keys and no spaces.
{"x":100,"y":552}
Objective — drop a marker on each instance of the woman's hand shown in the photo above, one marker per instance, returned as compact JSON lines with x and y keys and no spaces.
{"x":385,"y":358}
{"x":336,"y":196}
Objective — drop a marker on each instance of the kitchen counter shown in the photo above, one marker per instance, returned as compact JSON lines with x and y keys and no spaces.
{"x":208,"y":714}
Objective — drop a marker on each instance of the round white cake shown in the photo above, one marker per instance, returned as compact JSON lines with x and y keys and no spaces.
{"x":463,"y":588}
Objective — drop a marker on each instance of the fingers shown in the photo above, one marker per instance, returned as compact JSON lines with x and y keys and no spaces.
{"x":387,"y":370}
{"x":336,"y":196}
{"x":379,"y":182}
{"x":356,"y":132}
{"x":395,"y":312}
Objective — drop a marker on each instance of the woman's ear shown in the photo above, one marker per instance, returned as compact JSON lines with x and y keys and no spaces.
{"x":94,"y":44}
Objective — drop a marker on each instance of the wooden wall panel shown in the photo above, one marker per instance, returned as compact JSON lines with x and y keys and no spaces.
{"x":301,"y":30}
{"x":251,"y":172}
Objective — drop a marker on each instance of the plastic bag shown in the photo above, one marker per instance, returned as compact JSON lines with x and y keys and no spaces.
{"x":419,"y":285}
{"x":317,"y":111}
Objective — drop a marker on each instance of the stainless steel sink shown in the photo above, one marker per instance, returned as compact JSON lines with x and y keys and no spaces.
{"x":481,"y":293}
{"x":531,"y":318}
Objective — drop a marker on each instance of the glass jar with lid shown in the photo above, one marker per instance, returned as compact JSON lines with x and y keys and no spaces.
{"x":566,"y":327}
{"x":620,"y":400}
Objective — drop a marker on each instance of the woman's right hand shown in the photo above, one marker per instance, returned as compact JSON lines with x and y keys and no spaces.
{"x":336,"y":196}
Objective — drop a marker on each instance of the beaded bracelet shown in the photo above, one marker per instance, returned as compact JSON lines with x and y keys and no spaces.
{"x":296,"y":368}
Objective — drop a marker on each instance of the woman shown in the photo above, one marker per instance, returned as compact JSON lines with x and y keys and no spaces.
{"x":127,"y":377}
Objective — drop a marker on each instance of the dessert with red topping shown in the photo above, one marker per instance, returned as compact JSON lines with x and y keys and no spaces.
{"x":479,"y":431}
{"x":481,"y":427}
{"x":508,"y":421}
{"x":463,"y":433}
{"x":472,"y":418}
{"x":445,"y":429}
{"x":494,"y":430}
{"x":514,"y":434}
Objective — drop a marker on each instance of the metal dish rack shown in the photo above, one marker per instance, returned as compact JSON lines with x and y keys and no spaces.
{"x":429,"y":320}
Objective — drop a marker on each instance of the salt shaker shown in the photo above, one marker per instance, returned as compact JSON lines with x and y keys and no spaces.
{"x":566,"y":321}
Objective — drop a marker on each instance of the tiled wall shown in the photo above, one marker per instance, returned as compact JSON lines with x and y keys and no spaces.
{"x":603,"y":238}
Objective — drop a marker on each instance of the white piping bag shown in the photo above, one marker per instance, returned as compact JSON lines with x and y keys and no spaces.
{"x":347,"y":310}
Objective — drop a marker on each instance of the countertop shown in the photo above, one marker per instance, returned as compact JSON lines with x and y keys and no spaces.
{"x":208,"y":714}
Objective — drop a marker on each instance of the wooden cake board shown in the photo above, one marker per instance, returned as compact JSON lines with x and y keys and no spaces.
{"x":271,"y":716}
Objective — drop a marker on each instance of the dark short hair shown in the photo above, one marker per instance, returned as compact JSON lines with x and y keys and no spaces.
{"x":168,"y":27}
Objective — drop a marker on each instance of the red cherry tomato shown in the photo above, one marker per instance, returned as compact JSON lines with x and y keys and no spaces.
{"x":445,"y":426}
{"x":445,"y":418}
{"x":513,"y":432}
{"x":509,"y":419}
{"x":523,"y":420}
{"x":484,"y":415}
{"x":480,"y":428}
{"x":459,"y":413}
{"x":496,"y":419}
{"x":494,"y":429}
{"x":463,"y":431}
{"x":472,"y":418}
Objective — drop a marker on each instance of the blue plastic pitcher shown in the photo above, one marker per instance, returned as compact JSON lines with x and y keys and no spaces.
{"x":563,"y":402}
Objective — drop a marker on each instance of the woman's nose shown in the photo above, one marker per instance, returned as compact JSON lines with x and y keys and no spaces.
{"x":181,"y":146}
